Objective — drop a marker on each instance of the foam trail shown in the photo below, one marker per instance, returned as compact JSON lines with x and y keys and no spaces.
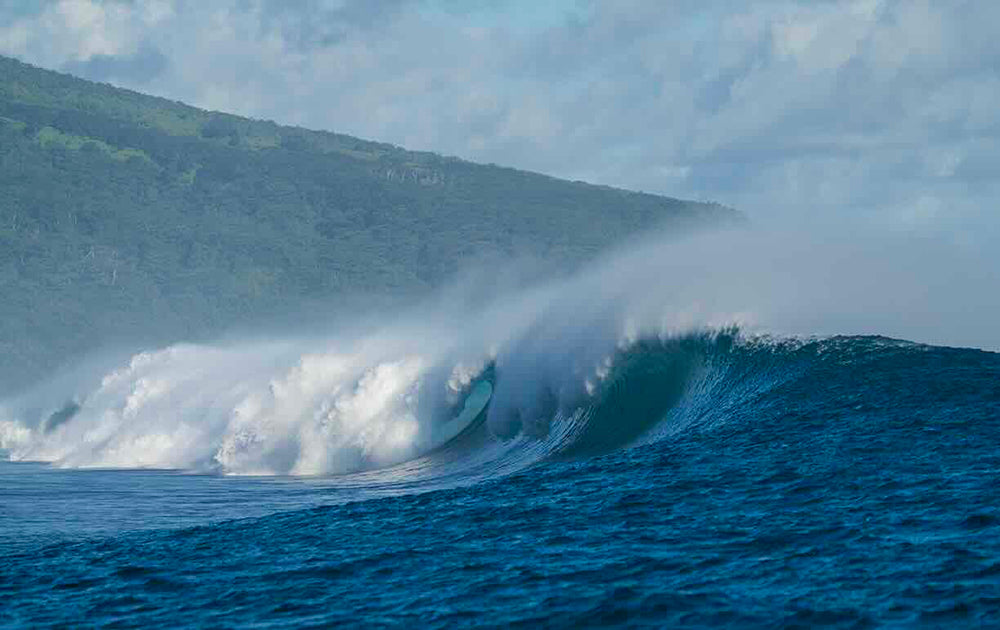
{"x":375,"y":395}
{"x":245,"y":409}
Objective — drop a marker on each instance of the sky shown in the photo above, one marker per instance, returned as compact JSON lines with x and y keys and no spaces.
{"x":867,"y":113}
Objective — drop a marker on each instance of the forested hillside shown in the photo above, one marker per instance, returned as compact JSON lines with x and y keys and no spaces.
{"x":129,"y":217}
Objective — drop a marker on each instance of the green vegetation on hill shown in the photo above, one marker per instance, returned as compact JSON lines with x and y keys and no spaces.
{"x":129,"y":217}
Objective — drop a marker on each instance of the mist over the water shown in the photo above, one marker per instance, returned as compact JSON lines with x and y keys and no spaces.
{"x":376,"y":389}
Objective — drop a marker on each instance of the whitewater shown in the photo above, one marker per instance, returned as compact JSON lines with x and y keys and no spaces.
{"x":736,"y":428}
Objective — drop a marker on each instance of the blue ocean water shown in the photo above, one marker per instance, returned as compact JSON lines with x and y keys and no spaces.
{"x":708,"y":480}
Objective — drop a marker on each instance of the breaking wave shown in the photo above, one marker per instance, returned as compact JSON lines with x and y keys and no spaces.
{"x":652,"y":341}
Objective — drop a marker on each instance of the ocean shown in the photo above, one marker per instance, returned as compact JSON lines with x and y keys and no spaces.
{"x":709,"y":479}
{"x":675,"y":435}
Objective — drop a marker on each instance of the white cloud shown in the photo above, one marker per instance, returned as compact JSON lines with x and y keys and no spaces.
{"x":71,"y":30}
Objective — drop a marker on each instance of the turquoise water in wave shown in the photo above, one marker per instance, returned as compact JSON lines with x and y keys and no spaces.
{"x":848,"y":482}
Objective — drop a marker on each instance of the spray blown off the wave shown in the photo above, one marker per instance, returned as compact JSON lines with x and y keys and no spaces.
{"x":629,"y":337}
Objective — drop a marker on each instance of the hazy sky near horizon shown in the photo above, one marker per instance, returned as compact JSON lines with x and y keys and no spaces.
{"x":882,"y":111}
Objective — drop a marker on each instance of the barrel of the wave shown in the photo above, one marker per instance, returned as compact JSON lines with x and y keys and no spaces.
{"x":472,"y":414}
